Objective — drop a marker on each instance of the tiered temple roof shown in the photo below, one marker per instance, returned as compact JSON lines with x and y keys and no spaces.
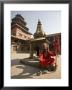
{"x":19,"y":21}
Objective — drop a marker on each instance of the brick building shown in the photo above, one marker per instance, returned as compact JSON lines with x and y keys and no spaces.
{"x":20,"y":34}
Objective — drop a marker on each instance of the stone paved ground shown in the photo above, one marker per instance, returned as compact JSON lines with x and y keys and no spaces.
{"x":21,"y":71}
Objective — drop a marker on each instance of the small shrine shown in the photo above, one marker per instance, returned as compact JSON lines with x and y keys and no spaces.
{"x":39,"y":39}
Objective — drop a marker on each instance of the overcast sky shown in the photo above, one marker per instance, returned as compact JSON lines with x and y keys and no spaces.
{"x":51,"y":20}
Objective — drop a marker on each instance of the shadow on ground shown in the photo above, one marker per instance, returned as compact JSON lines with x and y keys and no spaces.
{"x":28,"y":72}
{"x":15,"y":62}
{"x":29,"y":69}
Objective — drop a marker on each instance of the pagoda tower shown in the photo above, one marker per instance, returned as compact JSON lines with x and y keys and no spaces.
{"x":19,"y":21}
{"x":39,"y":31}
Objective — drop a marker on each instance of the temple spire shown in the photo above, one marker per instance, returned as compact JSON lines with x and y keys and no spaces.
{"x":39,"y":31}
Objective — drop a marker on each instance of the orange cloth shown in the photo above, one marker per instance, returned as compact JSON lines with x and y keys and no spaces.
{"x":46,"y":59}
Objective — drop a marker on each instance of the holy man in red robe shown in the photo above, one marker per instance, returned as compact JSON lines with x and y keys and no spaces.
{"x":46,"y":57}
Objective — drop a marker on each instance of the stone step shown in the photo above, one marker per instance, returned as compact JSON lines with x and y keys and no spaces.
{"x":36,"y":64}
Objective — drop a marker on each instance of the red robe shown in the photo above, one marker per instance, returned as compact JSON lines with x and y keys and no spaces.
{"x":56,"y":46}
{"x":46,"y":59}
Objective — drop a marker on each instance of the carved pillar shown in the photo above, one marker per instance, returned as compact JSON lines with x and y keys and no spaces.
{"x":31,"y":51}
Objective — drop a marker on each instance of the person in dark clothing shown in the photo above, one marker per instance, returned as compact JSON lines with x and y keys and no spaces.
{"x":37,"y":50}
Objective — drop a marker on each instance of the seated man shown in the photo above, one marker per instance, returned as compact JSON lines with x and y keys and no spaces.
{"x":45,"y":57}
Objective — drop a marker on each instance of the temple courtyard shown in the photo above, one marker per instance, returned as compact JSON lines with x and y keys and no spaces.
{"x":23,"y":71}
